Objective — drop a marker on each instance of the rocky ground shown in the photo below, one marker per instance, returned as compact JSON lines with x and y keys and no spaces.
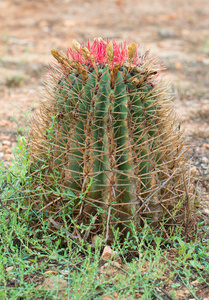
{"x":176,"y":31}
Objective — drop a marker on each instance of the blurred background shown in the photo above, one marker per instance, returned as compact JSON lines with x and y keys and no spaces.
{"x":177,"y":31}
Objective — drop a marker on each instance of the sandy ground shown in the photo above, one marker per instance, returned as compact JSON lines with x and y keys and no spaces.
{"x":177,"y":31}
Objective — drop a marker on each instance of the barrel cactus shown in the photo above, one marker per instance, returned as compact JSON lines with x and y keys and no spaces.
{"x":105,"y":144}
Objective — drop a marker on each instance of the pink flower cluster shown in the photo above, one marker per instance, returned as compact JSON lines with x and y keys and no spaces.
{"x":98,"y":53}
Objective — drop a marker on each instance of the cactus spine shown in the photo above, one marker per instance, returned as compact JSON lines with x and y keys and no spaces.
{"x":114,"y":139}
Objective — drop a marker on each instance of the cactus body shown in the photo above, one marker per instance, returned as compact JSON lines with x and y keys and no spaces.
{"x":114,"y":139}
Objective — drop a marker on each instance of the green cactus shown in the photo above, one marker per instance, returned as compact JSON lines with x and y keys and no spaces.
{"x":107,"y":130}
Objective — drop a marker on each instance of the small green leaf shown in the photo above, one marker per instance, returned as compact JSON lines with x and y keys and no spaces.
{"x":173,"y":285}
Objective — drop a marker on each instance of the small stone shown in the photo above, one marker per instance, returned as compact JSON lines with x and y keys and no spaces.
{"x":166,"y":33}
{"x":6,"y":142}
{"x":205,"y":159}
{"x":1,"y":154}
{"x":9,"y":269}
{"x":107,"y":252}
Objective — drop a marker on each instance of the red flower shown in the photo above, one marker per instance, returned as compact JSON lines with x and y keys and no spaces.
{"x":98,"y":53}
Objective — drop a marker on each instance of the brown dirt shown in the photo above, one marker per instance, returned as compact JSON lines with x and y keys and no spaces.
{"x":176,"y":31}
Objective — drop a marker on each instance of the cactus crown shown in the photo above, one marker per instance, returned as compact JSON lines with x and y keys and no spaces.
{"x":107,"y":132}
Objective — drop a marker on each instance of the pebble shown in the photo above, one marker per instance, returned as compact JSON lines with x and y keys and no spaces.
{"x":205,"y":159}
{"x":6,"y":142}
{"x":166,"y":33}
{"x":108,"y":253}
{"x":9,"y":269}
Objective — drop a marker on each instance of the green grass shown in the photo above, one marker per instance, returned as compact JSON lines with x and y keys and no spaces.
{"x":151,"y":266}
